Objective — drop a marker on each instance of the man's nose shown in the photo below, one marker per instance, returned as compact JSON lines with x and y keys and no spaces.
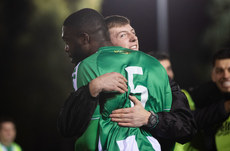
{"x":133,"y":38}
{"x":226,"y":74}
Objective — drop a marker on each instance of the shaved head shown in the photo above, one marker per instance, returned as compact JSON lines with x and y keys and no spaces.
{"x":88,"y":21}
{"x":84,"y":32}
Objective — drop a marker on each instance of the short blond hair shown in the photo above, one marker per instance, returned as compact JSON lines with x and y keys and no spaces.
{"x":116,"y":21}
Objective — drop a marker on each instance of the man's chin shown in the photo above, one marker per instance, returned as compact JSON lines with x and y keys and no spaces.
{"x":225,"y":89}
{"x":75,"y":60}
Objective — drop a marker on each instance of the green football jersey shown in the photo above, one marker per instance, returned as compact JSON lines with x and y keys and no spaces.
{"x":147,"y":80}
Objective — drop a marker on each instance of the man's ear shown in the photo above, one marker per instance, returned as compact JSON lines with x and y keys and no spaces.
{"x":85,"y":38}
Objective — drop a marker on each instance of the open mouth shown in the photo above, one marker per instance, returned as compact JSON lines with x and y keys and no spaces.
{"x":134,"y":47}
{"x":226,"y":83}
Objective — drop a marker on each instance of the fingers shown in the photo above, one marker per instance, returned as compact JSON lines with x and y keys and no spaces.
{"x":119,"y":82}
{"x":119,"y":88}
{"x":126,"y":124}
{"x":122,"y":115}
{"x":122,"y":87}
{"x":123,"y":78}
{"x":122,"y":111}
{"x":118,"y":75}
{"x":123,"y":120}
{"x":113,"y":82}
{"x":122,"y":82}
{"x":134,"y":100}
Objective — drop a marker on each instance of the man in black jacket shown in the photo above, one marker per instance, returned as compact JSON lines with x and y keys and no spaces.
{"x":176,"y":125}
{"x":212,"y":102}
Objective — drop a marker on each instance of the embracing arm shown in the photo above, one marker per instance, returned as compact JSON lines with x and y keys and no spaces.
{"x":177,"y":125}
{"x":76,"y":113}
{"x":78,"y":109}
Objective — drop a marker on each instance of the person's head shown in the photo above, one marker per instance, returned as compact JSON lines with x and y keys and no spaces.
{"x":121,"y":32}
{"x":84,"y":32}
{"x":7,"y":131}
{"x":221,"y":69}
{"x":164,"y":59}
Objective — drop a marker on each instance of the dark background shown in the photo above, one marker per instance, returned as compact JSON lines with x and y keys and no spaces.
{"x":36,"y":72}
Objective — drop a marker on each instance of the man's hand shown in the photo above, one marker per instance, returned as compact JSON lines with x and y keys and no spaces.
{"x":135,"y":116}
{"x":108,"y":82}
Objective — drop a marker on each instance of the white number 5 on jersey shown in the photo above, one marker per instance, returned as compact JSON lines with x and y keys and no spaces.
{"x":139,"y":88}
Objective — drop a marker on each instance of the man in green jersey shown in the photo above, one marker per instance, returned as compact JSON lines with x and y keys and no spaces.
{"x":122,"y":34}
{"x":88,"y":35}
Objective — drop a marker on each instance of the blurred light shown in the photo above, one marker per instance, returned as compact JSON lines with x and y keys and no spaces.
{"x":162,"y":25}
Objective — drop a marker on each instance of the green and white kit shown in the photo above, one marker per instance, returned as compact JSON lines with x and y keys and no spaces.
{"x":147,"y":80}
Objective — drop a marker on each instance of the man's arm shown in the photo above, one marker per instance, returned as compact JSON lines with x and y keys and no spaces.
{"x":215,"y":113}
{"x":178,"y":124}
{"x":212,"y":106}
{"x":78,"y":109}
{"x":76,"y":113}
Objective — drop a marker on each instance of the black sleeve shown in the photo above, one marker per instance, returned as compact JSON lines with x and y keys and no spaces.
{"x":76,"y":113}
{"x":209,"y":103}
{"x":178,"y":124}
{"x":210,"y":115}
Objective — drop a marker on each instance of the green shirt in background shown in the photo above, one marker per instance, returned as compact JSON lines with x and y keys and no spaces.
{"x":12,"y":147}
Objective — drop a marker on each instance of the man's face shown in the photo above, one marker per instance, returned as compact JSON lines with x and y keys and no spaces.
{"x":124,"y":36}
{"x":221,"y":74}
{"x":167,"y":65}
{"x":73,"y":46}
{"x":7,"y":132}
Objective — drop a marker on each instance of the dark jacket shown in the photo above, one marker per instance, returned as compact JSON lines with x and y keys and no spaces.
{"x":178,"y":125}
{"x":209,"y":114}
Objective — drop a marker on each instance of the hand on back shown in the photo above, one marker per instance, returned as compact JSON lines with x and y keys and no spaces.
{"x":108,"y":82}
{"x":135,"y":116}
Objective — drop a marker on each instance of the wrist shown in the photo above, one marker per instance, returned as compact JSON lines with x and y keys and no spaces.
{"x":152,"y":120}
{"x":147,"y":118}
{"x":94,"y":88}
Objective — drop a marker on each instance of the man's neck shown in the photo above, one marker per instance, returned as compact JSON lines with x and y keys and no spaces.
{"x":108,"y":43}
{"x":95,"y":49}
{"x":7,"y":144}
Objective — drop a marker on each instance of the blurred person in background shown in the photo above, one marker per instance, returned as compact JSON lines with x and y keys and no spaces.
{"x":212,"y":107}
{"x":165,"y":61}
{"x":7,"y":135}
{"x":210,"y":103}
